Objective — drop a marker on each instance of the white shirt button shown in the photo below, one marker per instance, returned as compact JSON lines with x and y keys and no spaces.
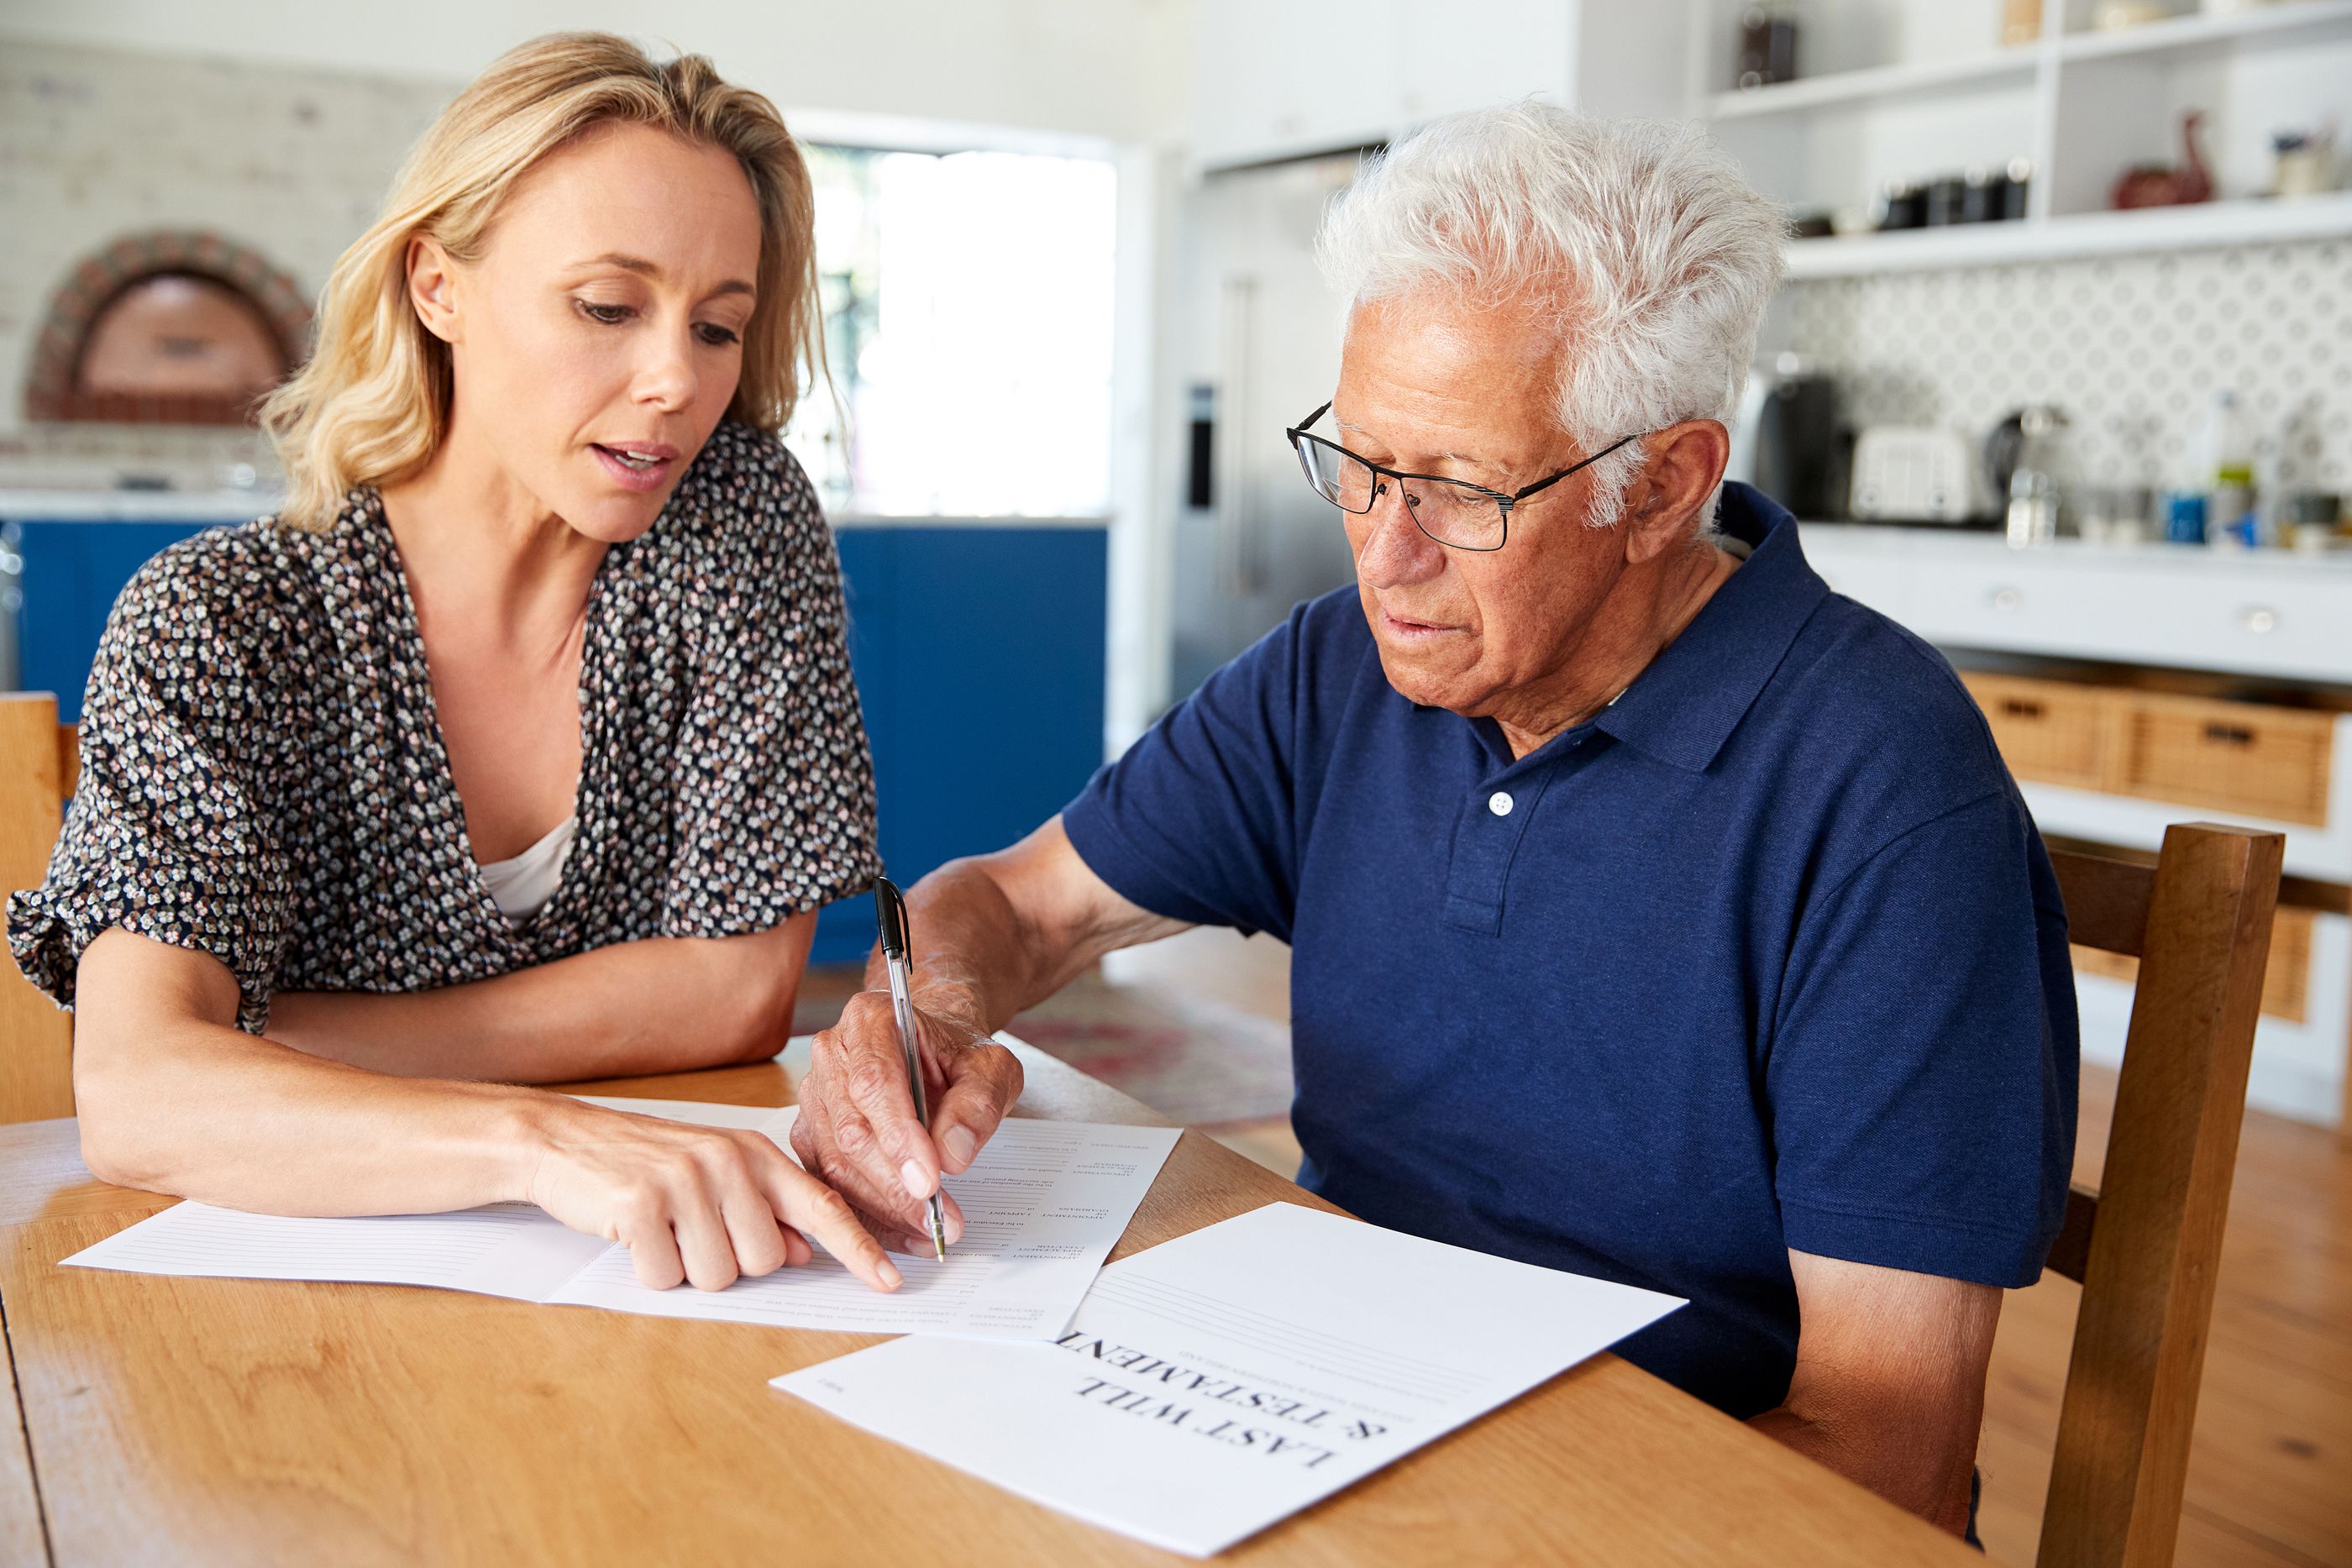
{"x":1500,"y":803}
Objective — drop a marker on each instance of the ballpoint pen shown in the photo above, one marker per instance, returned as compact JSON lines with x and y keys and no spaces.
{"x":891,"y":915}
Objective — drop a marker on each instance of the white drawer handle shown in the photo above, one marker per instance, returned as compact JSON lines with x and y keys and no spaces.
{"x":2259,"y":619}
{"x":2007,"y":598}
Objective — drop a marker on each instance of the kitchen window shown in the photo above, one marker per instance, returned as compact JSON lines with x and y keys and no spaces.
{"x":967,"y":301}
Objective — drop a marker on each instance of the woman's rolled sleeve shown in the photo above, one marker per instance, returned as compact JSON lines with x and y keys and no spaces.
{"x":167,"y":836}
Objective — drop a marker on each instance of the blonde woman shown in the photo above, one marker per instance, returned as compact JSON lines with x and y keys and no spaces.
{"x":520,"y":746}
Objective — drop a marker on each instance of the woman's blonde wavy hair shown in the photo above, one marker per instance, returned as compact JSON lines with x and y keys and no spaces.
{"x":372,"y":405}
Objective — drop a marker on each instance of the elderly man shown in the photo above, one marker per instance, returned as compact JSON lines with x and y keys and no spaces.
{"x":1654,"y":913}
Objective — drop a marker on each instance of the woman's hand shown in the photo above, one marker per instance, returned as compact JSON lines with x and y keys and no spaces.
{"x":705,"y":1205}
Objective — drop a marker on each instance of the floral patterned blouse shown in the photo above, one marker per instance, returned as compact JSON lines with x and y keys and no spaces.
{"x":263,"y":776}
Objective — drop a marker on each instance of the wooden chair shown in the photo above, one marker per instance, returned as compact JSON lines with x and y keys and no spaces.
{"x":40,"y":761}
{"x":2146,"y":1245}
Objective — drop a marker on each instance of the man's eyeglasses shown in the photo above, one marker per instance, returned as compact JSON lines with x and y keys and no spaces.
{"x":1452,"y":511}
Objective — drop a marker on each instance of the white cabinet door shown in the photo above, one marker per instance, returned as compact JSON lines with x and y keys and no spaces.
{"x":1301,"y":76}
{"x":1280,"y":78}
{"x":1474,"y":53}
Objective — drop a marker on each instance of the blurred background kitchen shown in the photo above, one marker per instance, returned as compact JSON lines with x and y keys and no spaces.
{"x":2061,"y":378}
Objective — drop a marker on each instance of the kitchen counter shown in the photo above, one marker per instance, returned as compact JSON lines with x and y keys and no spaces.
{"x":136,"y":505}
{"x":2277,"y":615}
{"x":1982,"y":544}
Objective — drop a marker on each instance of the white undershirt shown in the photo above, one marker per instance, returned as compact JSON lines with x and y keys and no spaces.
{"x":521,"y":887}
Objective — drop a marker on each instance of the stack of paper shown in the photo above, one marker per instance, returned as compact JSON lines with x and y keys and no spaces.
{"x":1043,"y":1206}
{"x":1216,"y":1383}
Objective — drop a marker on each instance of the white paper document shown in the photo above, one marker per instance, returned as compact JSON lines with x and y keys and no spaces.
{"x":1043,"y":1206}
{"x":1217,"y":1383}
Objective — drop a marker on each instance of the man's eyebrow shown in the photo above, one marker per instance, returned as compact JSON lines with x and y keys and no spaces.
{"x":638,"y":264}
{"x":1464,"y":458}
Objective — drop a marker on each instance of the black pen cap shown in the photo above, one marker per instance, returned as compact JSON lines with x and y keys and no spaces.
{"x":890,"y":916}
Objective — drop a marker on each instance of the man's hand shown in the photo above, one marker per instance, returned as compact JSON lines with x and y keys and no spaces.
{"x":857,"y":1128}
{"x":707,"y":1205}
{"x":990,"y":935}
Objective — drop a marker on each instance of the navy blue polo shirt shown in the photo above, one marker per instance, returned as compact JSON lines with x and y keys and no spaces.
{"x":1765,"y":956}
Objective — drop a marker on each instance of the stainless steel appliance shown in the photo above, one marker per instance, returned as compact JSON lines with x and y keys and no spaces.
{"x":1256,"y":346}
{"x":1788,"y":440}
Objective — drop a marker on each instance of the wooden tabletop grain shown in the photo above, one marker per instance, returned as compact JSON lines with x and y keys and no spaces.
{"x":219,"y":1421}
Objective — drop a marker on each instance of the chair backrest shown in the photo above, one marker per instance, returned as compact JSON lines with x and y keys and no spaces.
{"x":2146,"y":1245}
{"x":39,"y":764}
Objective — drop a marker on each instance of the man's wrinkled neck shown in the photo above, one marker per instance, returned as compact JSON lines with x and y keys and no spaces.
{"x":1651,"y":605}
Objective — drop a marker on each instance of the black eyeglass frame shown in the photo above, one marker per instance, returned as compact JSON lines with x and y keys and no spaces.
{"x":1299,"y":432}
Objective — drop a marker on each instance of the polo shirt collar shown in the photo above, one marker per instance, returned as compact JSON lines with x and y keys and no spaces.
{"x":1683,"y":707}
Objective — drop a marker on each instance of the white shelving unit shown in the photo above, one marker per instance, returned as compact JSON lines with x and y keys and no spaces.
{"x":1867,"y":82}
{"x":2250,"y":220}
{"x":1913,"y":89}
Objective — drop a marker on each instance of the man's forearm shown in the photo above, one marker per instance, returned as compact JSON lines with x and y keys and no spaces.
{"x":663,"y":1005}
{"x":1886,"y":1457}
{"x":1888,"y":1389}
{"x":977,"y":960}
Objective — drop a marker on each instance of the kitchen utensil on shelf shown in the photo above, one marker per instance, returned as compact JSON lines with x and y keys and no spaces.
{"x":2114,"y":16}
{"x":1903,"y":205}
{"x":2161,"y":184}
{"x":1914,"y":475}
{"x":2313,"y":520}
{"x":2017,"y":189}
{"x":2004,"y":445}
{"x":2035,"y":486}
{"x":2221,"y":464}
{"x":1947,"y":196}
{"x":2302,"y":163}
{"x":2115,"y":514}
{"x":1981,"y":194}
{"x":1768,"y":44}
{"x":2184,"y":517}
{"x":2020,"y":22}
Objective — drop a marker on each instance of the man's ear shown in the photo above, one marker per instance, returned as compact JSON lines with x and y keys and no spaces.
{"x":433,"y":287}
{"x":1683,"y":464}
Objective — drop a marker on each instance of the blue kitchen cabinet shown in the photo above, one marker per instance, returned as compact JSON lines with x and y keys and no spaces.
{"x":72,"y":572}
{"x":979,"y":656}
{"x":978,"y":651}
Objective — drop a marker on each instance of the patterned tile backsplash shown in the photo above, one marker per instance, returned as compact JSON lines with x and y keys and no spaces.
{"x":2131,"y":348}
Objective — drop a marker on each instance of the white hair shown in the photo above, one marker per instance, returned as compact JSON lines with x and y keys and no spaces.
{"x":1639,"y":237}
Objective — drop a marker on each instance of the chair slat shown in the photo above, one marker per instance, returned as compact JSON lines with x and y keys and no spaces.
{"x":2107,"y":900}
{"x":2071,"y":1254}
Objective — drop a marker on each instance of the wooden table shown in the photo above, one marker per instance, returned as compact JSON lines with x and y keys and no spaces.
{"x":203,"y":1421}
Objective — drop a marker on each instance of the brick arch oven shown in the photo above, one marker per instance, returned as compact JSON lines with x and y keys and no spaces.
{"x":175,"y":327}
